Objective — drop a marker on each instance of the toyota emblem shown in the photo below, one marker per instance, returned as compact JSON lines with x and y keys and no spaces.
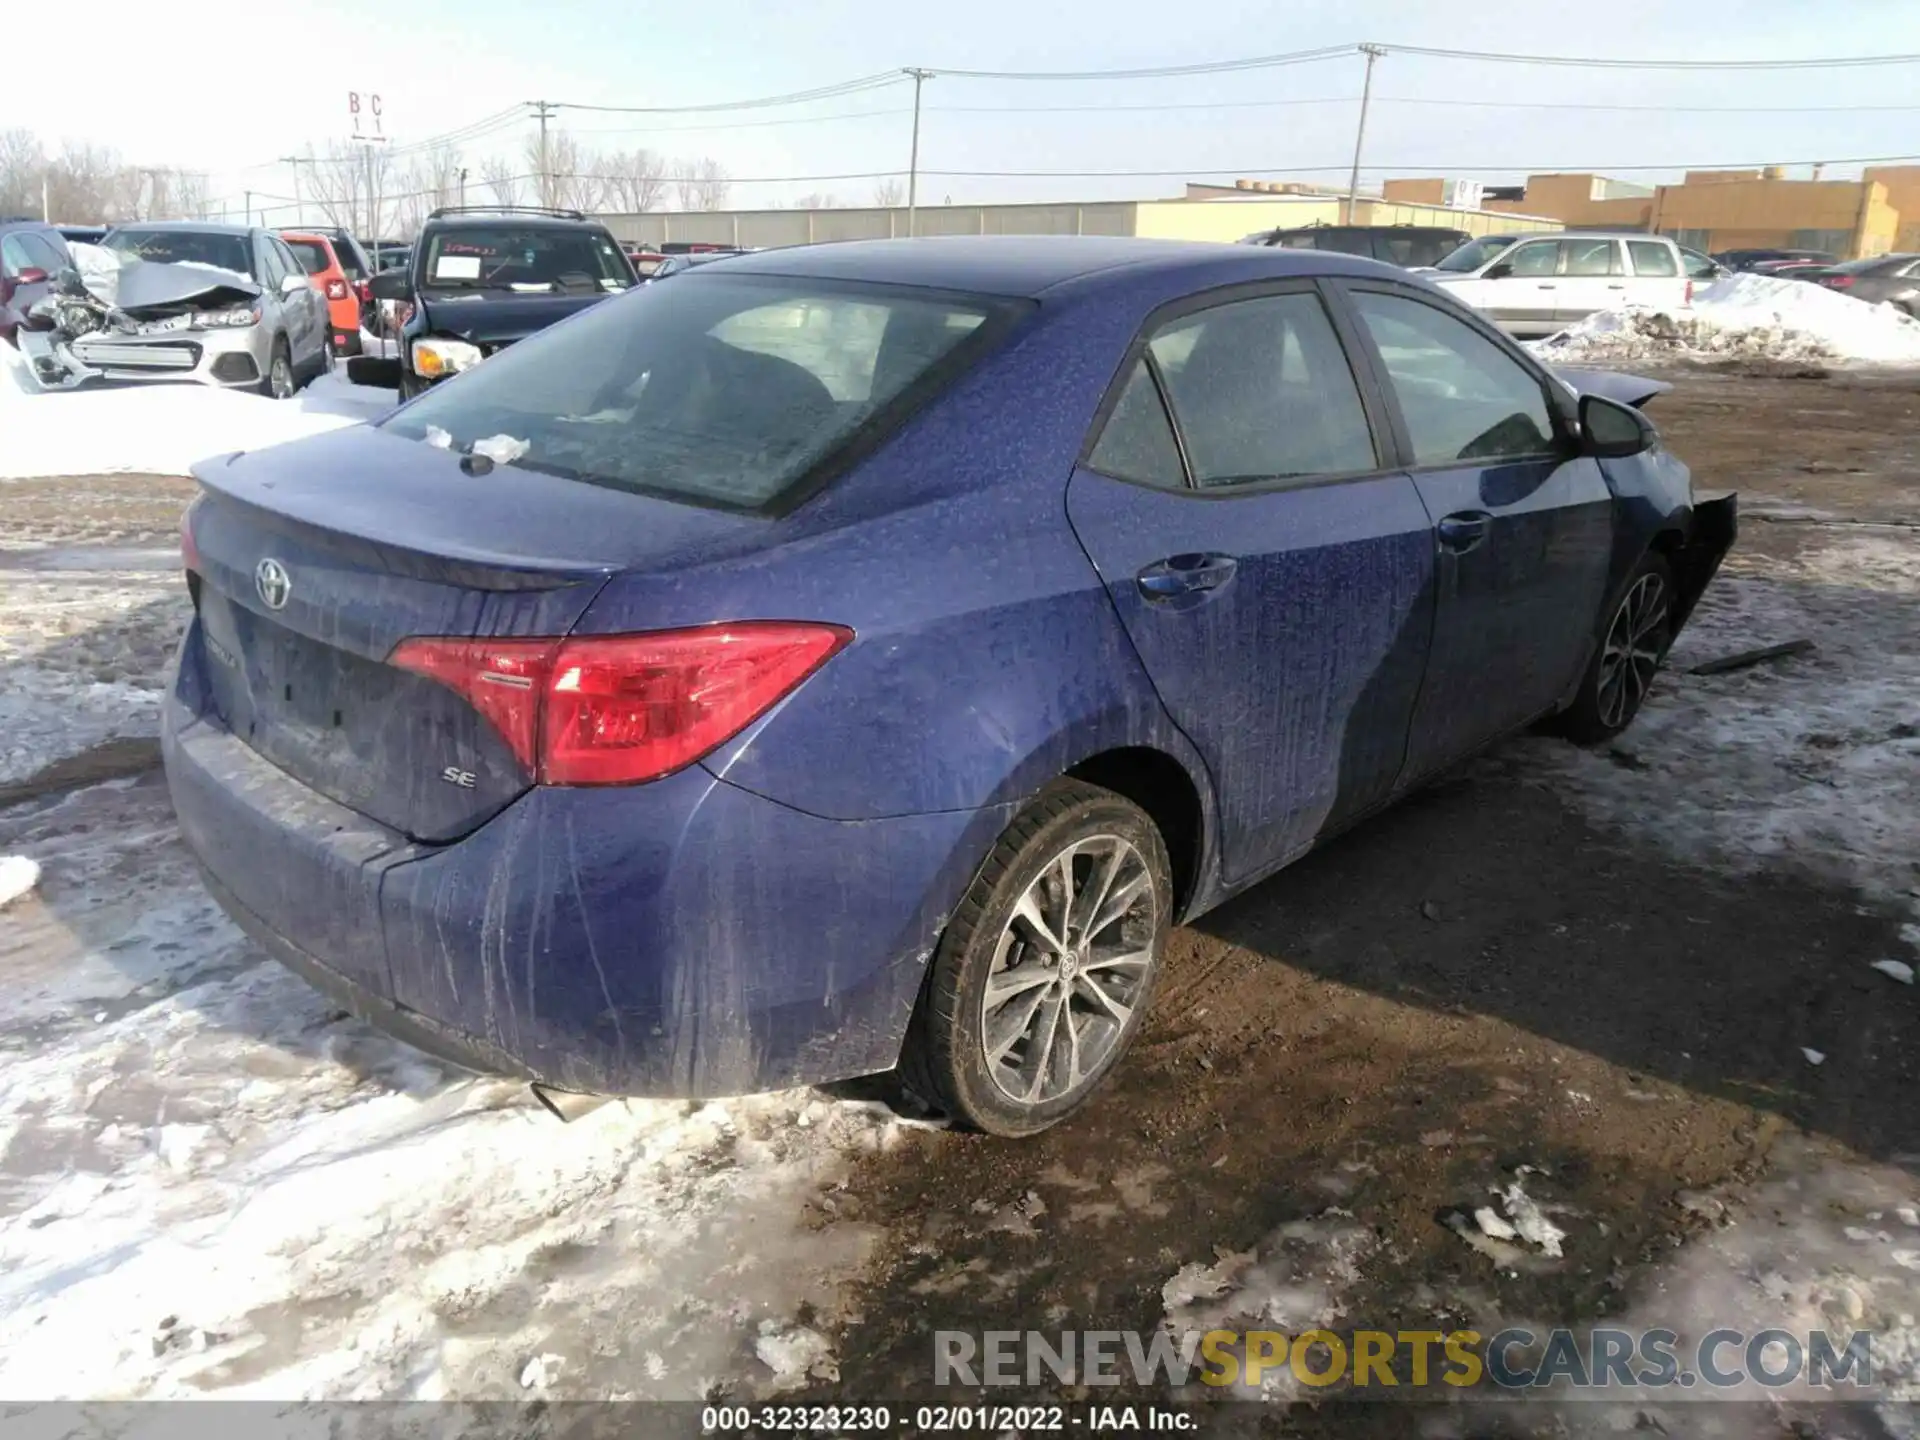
{"x":270,"y":578}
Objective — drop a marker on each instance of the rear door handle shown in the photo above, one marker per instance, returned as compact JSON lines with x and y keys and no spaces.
{"x":1616,"y":287}
{"x":1549,"y":287}
{"x":1179,"y":575}
{"x":1462,"y":531}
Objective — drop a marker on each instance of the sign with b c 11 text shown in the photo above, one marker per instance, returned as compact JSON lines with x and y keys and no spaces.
{"x":364,"y":107}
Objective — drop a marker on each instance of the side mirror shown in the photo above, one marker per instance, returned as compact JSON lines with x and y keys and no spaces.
{"x":1499,"y":270}
{"x":389,"y":285}
{"x":1612,"y":431}
{"x":293,"y":284}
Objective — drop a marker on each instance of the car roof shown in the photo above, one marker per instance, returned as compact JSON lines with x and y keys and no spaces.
{"x":1029,"y":265}
{"x":490,"y":221}
{"x":193,"y":227}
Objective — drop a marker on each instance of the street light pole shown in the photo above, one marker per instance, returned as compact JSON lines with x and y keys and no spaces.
{"x":299,"y":210}
{"x":1373,"y":53}
{"x":920,"y":77}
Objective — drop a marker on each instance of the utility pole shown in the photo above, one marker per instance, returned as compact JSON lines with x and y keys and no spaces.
{"x":544,"y":111}
{"x":46,"y":204}
{"x":1373,"y":53}
{"x":463,"y":187}
{"x":249,"y":209}
{"x":920,"y":77}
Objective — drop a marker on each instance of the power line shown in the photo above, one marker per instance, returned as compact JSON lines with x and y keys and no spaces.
{"x":1157,"y":72}
{"x":1456,"y":168}
{"x":798,"y":97}
{"x":1828,"y":62}
{"x":1379,"y":100}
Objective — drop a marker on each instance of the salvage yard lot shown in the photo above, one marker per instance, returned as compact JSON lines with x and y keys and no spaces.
{"x":1614,"y":968}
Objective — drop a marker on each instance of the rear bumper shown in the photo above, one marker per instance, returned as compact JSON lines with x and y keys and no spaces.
{"x":346,"y":339}
{"x":682,"y":938}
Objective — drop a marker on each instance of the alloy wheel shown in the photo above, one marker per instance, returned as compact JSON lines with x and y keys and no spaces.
{"x":1069,"y":971}
{"x":1634,"y":647}
{"x":280,"y":375}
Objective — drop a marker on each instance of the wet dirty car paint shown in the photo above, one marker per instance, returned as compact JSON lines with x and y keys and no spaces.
{"x":764,"y":917}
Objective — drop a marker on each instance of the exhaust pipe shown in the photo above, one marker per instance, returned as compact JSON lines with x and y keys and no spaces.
{"x":567,"y":1105}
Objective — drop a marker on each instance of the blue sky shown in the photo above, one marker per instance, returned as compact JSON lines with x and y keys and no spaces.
{"x":193,"y":101}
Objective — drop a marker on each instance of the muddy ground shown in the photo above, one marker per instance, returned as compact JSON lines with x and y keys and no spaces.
{"x":1479,"y":980}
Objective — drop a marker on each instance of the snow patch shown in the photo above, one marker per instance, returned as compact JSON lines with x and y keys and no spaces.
{"x":162,"y":428}
{"x":1757,"y":317}
{"x":1296,"y":1280}
{"x":18,"y":876}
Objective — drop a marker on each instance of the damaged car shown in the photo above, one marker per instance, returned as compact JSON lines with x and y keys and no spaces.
{"x":220,"y":305}
{"x":855,"y":658}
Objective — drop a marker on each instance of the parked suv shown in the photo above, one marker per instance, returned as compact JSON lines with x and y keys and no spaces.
{"x":1542,"y":284}
{"x":326,"y":267}
{"x":482,"y":277}
{"x":1408,"y":246}
{"x":31,"y":254}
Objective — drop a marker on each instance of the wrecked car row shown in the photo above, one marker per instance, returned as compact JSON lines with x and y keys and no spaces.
{"x":221,"y":305}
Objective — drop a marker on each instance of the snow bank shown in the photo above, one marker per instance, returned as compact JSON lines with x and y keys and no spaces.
{"x":18,"y":875}
{"x":1757,"y":317}
{"x":159,"y":429}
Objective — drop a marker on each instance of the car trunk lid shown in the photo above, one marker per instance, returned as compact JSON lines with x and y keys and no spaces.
{"x":315,"y":560}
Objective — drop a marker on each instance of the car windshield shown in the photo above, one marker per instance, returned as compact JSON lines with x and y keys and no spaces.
{"x":525,"y":258}
{"x":1475,"y":253}
{"x":185,"y":247}
{"x":721,"y":389}
{"x":312,"y":255}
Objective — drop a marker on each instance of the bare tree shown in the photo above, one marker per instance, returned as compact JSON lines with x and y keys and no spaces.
{"x":353,"y":186}
{"x":889,"y":193}
{"x":22,"y":163}
{"x":701,"y":184}
{"x":566,"y":174}
{"x":502,"y":178}
{"x":431,"y":181}
{"x":632,"y":181}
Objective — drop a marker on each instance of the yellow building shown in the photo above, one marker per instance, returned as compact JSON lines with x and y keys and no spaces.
{"x":1740,"y":209}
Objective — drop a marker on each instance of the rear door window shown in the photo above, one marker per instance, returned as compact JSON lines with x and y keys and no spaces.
{"x":1650,"y":258}
{"x":1591,"y":257}
{"x":720,"y":389}
{"x":1262,"y":391}
{"x":1137,"y":441}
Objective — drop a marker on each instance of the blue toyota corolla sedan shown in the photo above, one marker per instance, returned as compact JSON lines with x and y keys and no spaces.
{"x":854,"y":658}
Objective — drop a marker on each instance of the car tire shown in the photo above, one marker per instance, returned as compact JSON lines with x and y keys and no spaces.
{"x":280,"y":381}
{"x":1630,"y":648}
{"x":1011,"y":1033}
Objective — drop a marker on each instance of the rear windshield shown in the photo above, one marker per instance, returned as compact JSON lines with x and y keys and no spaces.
{"x":1475,"y":253}
{"x":190,"y":247}
{"x":312,"y":255}
{"x":719,"y":389}
{"x":528,"y":259}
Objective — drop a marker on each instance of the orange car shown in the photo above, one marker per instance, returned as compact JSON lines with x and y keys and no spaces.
{"x":316,"y":253}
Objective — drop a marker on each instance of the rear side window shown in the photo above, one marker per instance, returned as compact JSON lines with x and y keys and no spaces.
{"x":1263,"y":391}
{"x":1651,"y":259}
{"x":312,"y":255}
{"x":1347,"y":242}
{"x":719,"y":389}
{"x":1463,"y":397}
{"x":1137,"y":442}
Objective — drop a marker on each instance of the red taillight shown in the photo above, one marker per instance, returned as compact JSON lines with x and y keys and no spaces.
{"x":337,"y":290}
{"x":364,"y":289}
{"x":1836,"y":282}
{"x":622,"y":709}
